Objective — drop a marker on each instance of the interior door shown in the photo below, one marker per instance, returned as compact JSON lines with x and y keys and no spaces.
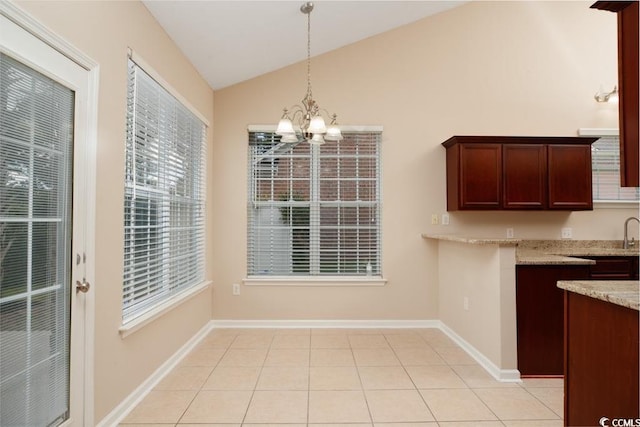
{"x":43,"y":108}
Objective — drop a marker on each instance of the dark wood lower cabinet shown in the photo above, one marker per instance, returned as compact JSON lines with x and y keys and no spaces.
{"x":540,"y":308}
{"x":601,"y":361}
{"x":614,"y":268}
{"x":539,"y":312}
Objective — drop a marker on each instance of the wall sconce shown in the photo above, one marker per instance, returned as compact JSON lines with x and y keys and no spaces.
{"x":611,"y":97}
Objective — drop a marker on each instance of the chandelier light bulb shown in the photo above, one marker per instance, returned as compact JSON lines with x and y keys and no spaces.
{"x":317,"y":125}
{"x":285,"y":126}
{"x":317,"y":139}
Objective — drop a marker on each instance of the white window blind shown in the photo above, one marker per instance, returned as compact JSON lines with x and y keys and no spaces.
{"x":36,"y":149}
{"x":314,"y":210}
{"x":164,"y":196}
{"x":605,"y":154}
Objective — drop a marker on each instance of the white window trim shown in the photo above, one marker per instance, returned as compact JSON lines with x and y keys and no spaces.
{"x":315,"y":281}
{"x":320,"y":280}
{"x":135,"y":57}
{"x":131,"y":325}
{"x":273,"y":128}
{"x":161,"y":309}
{"x":608,"y":204}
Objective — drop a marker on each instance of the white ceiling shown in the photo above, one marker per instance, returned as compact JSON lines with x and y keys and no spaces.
{"x":232,"y":41}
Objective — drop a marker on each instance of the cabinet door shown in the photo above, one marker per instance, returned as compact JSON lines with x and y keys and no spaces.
{"x":628,"y":77}
{"x":524,"y":176}
{"x":569,"y":174}
{"x":613,"y":268}
{"x":539,"y":314}
{"x":480,"y":176}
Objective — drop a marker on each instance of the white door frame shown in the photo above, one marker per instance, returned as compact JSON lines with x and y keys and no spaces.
{"x":33,"y":34}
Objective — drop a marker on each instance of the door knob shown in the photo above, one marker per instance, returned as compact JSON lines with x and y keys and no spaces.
{"x":82,"y":286}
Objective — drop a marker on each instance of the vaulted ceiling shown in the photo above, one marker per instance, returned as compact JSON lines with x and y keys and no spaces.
{"x":232,"y":41}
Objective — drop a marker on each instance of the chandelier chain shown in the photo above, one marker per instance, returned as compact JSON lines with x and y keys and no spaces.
{"x":309,"y":53}
{"x":308,"y":114}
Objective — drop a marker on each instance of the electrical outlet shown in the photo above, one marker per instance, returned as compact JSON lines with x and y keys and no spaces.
{"x":434,"y":219}
{"x":567,"y":233}
{"x":465,"y":303}
{"x":509,"y":233}
{"x":445,"y":219}
{"x":236,"y":289}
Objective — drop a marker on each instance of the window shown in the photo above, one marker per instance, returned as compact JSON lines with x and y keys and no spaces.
{"x":164,"y":196}
{"x":605,"y":158}
{"x":314,"y":210}
{"x":36,"y":164}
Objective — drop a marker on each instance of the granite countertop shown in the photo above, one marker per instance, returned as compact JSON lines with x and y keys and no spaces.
{"x":625,"y":293}
{"x":533,"y":257}
{"x":473,"y":240}
{"x":567,"y":252}
{"x":547,"y":252}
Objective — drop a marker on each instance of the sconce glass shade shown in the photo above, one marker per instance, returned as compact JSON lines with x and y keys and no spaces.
{"x":610,"y":97}
{"x":285,"y":127}
{"x":317,"y":139}
{"x":613,"y":97}
{"x":333,"y":134}
{"x":317,"y":126}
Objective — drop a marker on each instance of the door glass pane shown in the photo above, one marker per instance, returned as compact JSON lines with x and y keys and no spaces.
{"x":36,"y":146}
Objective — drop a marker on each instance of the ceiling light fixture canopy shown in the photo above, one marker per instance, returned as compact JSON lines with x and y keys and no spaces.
{"x":308,"y":116}
{"x":612,"y":97}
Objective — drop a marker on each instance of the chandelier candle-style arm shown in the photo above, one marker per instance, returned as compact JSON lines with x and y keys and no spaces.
{"x":307,"y":116}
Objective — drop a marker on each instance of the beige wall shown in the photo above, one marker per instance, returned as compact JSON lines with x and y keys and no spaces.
{"x":103,"y":31}
{"x":487,"y":282}
{"x":501,"y":68}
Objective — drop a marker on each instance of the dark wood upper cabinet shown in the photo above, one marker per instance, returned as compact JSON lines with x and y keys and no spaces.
{"x":566,"y":163}
{"x":524,"y":179}
{"x":475,"y":174}
{"x":518,"y":173}
{"x":628,"y":78}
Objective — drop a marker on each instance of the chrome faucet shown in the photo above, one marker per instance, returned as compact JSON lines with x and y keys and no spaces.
{"x":626,"y":244}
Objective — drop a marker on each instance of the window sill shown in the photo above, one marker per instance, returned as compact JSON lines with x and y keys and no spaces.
{"x":315,"y":281}
{"x":139,"y":322}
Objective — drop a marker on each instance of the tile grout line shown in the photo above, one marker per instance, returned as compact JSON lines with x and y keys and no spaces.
{"x":309,"y":382}
{"x":255,"y":386}
{"x":205,"y":381}
{"x":404,"y":368}
{"x":355,"y":363}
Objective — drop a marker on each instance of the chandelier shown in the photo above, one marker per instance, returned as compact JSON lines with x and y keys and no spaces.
{"x":308,"y":116}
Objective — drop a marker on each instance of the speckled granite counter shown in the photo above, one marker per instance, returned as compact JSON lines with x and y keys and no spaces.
{"x":531,"y":252}
{"x":547,"y":252}
{"x":625,"y":293}
{"x":473,"y":240}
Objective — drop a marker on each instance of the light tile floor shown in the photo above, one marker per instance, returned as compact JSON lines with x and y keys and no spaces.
{"x":338,"y":378}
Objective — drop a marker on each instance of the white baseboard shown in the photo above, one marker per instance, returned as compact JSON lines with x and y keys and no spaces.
{"x":503,"y":375}
{"x":130,"y":402}
{"x":315,"y":324}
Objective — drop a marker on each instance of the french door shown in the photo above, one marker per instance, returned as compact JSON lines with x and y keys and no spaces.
{"x":43,"y":284}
